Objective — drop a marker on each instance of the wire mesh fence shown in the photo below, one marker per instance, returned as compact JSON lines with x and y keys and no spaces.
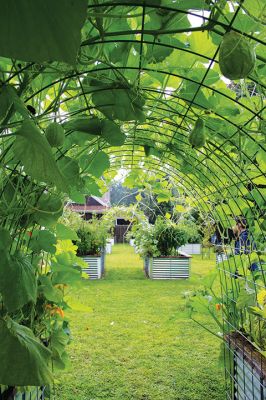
{"x":243,"y":302}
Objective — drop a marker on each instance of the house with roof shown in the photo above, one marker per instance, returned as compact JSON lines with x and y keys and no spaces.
{"x":93,"y":206}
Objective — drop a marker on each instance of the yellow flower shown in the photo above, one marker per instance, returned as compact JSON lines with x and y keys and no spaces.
{"x":65,"y":246}
{"x":261,"y":297}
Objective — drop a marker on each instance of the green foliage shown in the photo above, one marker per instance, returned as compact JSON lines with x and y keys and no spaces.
{"x":129,"y":213}
{"x":121,"y":195}
{"x":43,"y":240}
{"x":112,"y":133}
{"x":145,"y":240}
{"x":161,"y":239}
{"x":98,"y":163}
{"x":69,"y":169}
{"x":49,"y":208}
{"x":21,"y":349}
{"x":18,"y":284}
{"x":71,"y":219}
{"x":33,"y":150}
{"x":169,"y":236}
{"x":192,"y":227}
{"x":57,"y":41}
{"x":5,"y":239}
{"x":92,"y":236}
{"x":65,"y":233}
{"x":122,"y":104}
{"x":192,"y":232}
{"x":91,"y":126}
{"x":239,"y":300}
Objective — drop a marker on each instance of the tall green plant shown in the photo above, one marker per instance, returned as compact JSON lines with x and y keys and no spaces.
{"x":161,"y":239}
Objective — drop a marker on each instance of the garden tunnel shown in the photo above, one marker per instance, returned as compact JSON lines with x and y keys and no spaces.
{"x":128,"y":91}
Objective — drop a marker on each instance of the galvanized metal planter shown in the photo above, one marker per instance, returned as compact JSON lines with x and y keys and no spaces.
{"x":191,"y":248}
{"x":111,"y":240}
{"x":176,"y":267}
{"x":108,"y":248}
{"x":247,"y":371}
{"x":36,"y":393}
{"x":96,"y":266}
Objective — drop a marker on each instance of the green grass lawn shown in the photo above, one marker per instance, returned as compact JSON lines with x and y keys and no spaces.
{"x":137,"y":343}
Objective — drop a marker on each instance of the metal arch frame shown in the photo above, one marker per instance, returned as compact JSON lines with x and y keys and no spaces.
{"x":200,"y":84}
{"x":226,"y":139}
{"x":178,"y":97}
{"x":208,"y":178}
{"x":171,"y":9}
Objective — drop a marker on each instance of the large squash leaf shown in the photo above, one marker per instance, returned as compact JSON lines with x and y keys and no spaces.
{"x":112,"y":133}
{"x":98,"y":163}
{"x":49,"y":209}
{"x":41,"y":30}
{"x":43,"y":240}
{"x":18,"y":284}
{"x":92,"y":126}
{"x":24,"y":360}
{"x":63,"y":232}
{"x":59,"y":340}
{"x":69,"y":168}
{"x":49,"y":291}
{"x":122,"y":104}
{"x":34,"y":152}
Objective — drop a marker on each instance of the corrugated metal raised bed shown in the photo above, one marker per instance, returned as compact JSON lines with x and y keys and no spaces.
{"x":108,"y":248}
{"x":248,"y":369}
{"x":95,"y":267}
{"x":35,"y":393}
{"x":168,"y":267}
{"x":191,"y":248}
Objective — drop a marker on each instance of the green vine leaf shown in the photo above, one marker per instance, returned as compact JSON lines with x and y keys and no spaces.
{"x":69,"y":168}
{"x":18,"y":284}
{"x":43,"y":240}
{"x":92,"y":126}
{"x":98,"y":163}
{"x":34,"y":152}
{"x":50,"y":292}
{"x":121,"y":104}
{"x":24,"y":360}
{"x":65,"y":233}
{"x":48,"y":209}
{"x":28,"y":29}
{"x":112,"y":133}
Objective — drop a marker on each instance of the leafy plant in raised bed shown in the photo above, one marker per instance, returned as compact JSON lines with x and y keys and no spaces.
{"x":239,"y":308}
{"x":161,"y":239}
{"x":92,"y":236}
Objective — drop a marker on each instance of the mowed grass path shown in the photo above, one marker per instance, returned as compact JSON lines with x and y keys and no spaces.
{"x":137,"y":343}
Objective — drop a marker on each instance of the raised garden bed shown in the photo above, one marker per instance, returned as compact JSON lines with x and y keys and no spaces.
{"x":248,"y":369}
{"x":168,"y":267}
{"x":34,"y":393}
{"x":108,"y":248}
{"x":96,"y":266}
{"x":191,"y":248}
